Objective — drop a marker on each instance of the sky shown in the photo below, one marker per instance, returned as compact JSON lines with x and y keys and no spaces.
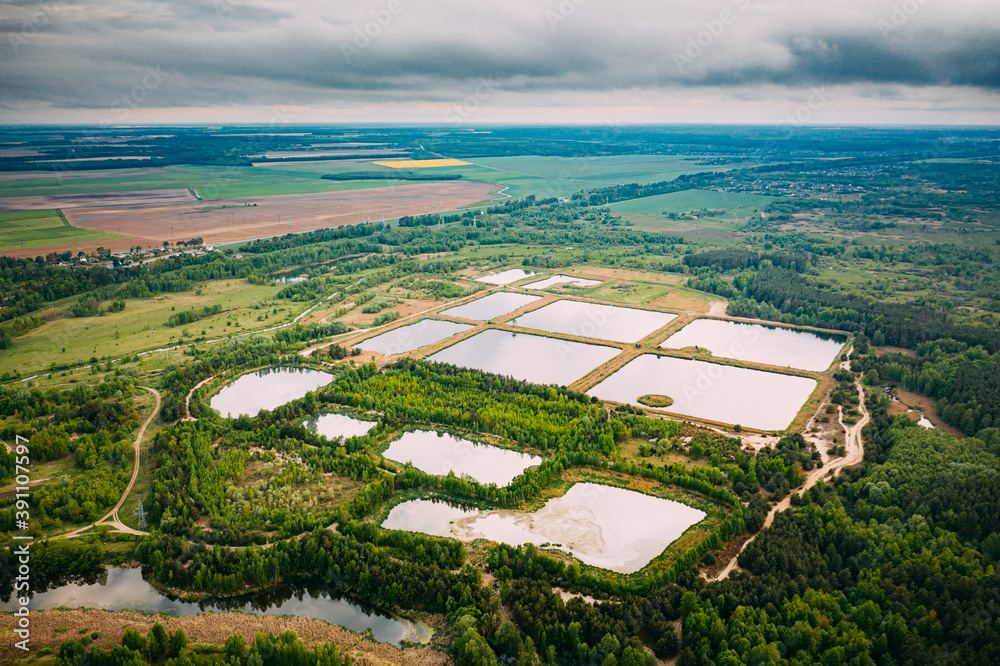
{"x":510,"y":61}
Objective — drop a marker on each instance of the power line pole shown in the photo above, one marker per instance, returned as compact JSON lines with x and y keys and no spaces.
{"x":141,"y":514}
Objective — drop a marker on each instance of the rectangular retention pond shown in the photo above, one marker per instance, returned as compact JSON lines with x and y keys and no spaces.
{"x":753,"y":398}
{"x":532,"y":358}
{"x":591,"y":320}
{"x":494,"y":305}
{"x":506,"y":277}
{"x":441,"y":453}
{"x":603,"y":526}
{"x":413,"y":336}
{"x":759,"y":344}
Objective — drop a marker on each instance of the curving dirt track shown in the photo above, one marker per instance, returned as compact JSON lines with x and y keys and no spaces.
{"x":855,"y":455}
{"x":111,"y":518}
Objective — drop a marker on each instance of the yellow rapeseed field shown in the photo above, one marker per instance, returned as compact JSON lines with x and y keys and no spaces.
{"x":420,"y":164}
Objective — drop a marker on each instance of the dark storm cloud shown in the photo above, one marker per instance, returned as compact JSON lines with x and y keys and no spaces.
{"x":974,"y":60}
{"x":225,"y":52}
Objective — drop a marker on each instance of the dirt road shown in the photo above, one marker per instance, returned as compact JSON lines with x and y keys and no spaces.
{"x":111,"y":518}
{"x":855,"y":455}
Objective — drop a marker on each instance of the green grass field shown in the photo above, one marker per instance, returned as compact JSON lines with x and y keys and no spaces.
{"x":520,"y":185}
{"x":208,"y":182}
{"x":41,"y":228}
{"x":628,"y":292}
{"x":688,"y":200}
{"x":141,"y":326}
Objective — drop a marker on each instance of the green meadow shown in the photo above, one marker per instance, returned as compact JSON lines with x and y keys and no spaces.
{"x":206,"y":182}
{"x":40,"y":228}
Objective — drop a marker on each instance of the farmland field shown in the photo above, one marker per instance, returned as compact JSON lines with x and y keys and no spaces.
{"x":542,"y":176}
{"x":562,"y":176}
{"x":421,"y":164}
{"x":61,"y":201}
{"x":206,"y":182}
{"x":42,"y":228}
{"x":688,"y":200}
{"x":230,"y":220}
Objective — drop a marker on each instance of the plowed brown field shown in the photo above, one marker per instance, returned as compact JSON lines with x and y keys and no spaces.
{"x":247,"y":218}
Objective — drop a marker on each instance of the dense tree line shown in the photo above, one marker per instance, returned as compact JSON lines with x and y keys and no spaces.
{"x":964,"y":380}
{"x":896,"y":570}
{"x":16,"y":328}
{"x":92,"y":424}
{"x":160,"y":646}
{"x":726,"y":260}
{"x":423,"y":220}
{"x":27,"y":284}
{"x":53,"y":562}
{"x":191,"y":316}
{"x":780,"y":294}
{"x":359,"y":568}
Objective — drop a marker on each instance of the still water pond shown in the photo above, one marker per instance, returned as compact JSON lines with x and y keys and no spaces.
{"x":506,"y":277}
{"x":414,"y":336}
{"x":562,"y":279}
{"x":335,"y":426}
{"x":494,"y":305}
{"x":440,"y":453}
{"x":757,"y":343}
{"x":528,"y":357}
{"x":611,"y":528}
{"x":125,"y":589}
{"x":762,"y":400}
{"x":267,"y":389}
{"x":590,"y":320}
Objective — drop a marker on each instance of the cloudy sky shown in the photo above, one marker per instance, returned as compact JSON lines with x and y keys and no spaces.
{"x":518,"y":61}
